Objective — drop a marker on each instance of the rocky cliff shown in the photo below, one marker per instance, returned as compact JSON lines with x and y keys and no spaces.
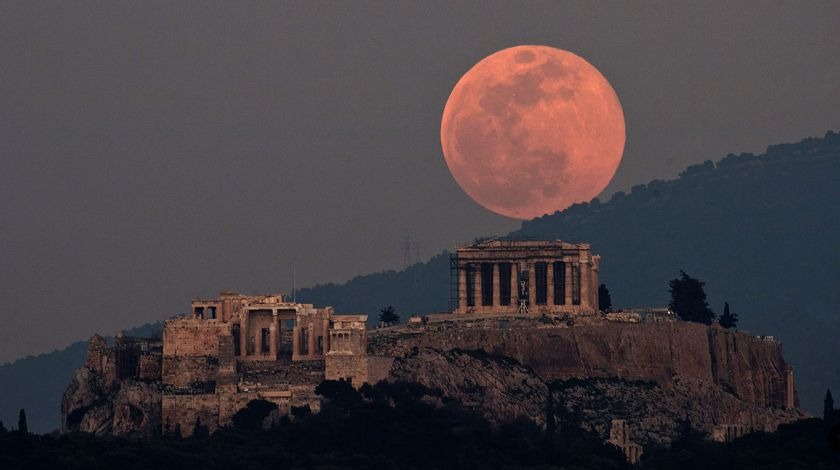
{"x":118,"y":390}
{"x":96,"y":405}
{"x":660,"y":377}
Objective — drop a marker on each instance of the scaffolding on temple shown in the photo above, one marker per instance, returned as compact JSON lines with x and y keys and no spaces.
{"x":454,"y":282}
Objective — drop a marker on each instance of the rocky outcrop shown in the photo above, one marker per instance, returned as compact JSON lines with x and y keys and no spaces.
{"x":118,"y":391}
{"x":659,"y":377}
{"x":750,"y":368}
{"x":497,"y":386}
{"x":96,"y":405}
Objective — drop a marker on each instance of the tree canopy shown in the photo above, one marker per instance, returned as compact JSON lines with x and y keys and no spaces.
{"x":388,"y":315}
{"x":604,"y":299}
{"x":688,"y":299}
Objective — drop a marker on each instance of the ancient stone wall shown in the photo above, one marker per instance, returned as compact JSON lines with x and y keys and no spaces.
{"x":193,"y":337}
{"x":181,"y":411}
{"x":96,"y":353}
{"x":346,"y":367}
{"x":190,"y":371}
{"x":149,"y":367}
{"x":357,"y":369}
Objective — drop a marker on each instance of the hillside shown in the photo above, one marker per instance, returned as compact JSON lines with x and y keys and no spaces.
{"x":761,"y":230}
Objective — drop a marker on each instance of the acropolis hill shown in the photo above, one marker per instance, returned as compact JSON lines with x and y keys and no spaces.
{"x":524,"y":328}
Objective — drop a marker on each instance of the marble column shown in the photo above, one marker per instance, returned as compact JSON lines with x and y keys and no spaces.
{"x":325,"y":332}
{"x":295,"y":342}
{"x":477,"y":285}
{"x":496,"y":278}
{"x":584,"y":284}
{"x":514,"y":284}
{"x":311,"y":341}
{"x":462,"y":288}
{"x":243,"y":333}
{"x":568,"y":268}
{"x":549,"y":280}
{"x":272,"y":335}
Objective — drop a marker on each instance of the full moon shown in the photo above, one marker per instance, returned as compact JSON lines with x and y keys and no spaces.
{"x":530,"y":130}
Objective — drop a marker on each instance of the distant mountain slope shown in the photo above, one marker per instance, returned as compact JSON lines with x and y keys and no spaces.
{"x":762,"y":231}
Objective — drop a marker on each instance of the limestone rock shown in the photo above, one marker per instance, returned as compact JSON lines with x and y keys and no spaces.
{"x":93,"y":404}
{"x":499,"y":387}
{"x":658,"y":377}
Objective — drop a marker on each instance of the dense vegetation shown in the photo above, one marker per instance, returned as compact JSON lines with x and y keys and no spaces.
{"x":384,"y":427}
{"x":408,"y":426}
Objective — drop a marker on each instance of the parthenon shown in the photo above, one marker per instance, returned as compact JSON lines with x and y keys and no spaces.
{"x":524,"y":277}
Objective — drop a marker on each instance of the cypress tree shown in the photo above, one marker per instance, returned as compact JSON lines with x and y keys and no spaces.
{"x":22,"y":426}
{"x":604,"y":299}
{"x":728,"y":319}
{"x":828,"y":405}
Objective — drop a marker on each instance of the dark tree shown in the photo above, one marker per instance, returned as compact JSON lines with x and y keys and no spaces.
{"x":22,"y":426}
{"x":340,"y":393}
{"x":828,"y":406}
{"x":252,"y":416}
{"x":167,"y":427}
{"x":200,"y":431}
{"x":728,"y":319}
{"x":604,"y":299}
{"x":2,"y":428}
{"x":688,"y":299}
{"x":388,"y":316}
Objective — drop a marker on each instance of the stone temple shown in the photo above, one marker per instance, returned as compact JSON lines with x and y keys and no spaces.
{"x":515,"y":276}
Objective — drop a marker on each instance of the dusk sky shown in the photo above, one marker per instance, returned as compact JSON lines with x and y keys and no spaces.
{"x":157,"y":151}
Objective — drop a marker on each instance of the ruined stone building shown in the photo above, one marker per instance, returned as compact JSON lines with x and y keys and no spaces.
{"x":524,"y":276}
{"x":237,"y":348}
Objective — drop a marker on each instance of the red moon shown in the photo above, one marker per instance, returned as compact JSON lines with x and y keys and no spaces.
{"x":530,"y":130}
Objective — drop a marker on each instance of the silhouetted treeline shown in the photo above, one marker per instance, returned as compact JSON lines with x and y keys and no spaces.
{"x":383,"y":427}
{"x":405,"y":425}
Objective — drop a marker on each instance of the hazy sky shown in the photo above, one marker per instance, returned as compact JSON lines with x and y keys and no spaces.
{"x":155,"y":151}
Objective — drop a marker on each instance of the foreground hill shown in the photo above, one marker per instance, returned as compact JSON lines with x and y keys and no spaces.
{"x":761,"y":230}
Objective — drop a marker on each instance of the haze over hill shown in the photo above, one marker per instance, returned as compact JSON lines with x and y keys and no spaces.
{"x":761,"y":231}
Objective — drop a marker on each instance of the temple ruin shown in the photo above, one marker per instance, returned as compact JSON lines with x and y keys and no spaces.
{"x":524,"y":276}
{"x":237,"y":348}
